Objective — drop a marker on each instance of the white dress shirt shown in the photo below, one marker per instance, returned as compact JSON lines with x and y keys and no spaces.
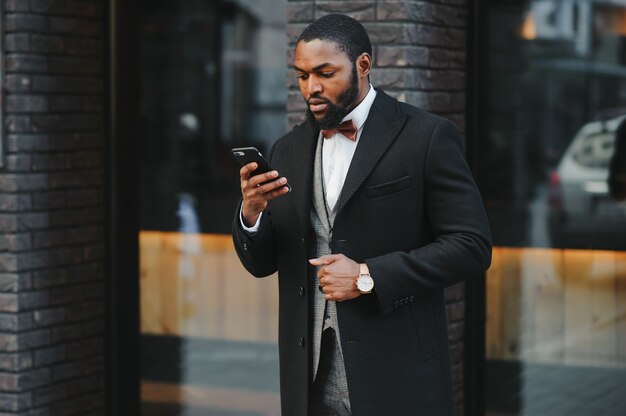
{"x":337,"y":153}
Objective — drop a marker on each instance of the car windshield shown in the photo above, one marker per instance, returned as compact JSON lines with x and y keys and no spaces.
{"x":595,"y":151}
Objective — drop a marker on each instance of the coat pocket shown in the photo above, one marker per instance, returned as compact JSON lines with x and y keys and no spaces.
{"x":397,"y":185}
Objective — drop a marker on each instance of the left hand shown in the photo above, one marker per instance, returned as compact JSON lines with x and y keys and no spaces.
{"x":337,"y":276}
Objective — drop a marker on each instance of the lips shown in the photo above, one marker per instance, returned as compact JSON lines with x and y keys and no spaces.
{"x":316,"y":105}
{"x":317,"y":108}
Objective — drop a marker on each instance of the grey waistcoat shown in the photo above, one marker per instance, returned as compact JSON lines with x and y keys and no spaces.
{"x":322,"y":220}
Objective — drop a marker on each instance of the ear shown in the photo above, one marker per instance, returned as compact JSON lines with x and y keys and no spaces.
{"x":364,"y":64}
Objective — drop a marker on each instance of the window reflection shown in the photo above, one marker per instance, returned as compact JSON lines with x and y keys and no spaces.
{"x":212,"y":77}
{"x":617,"y":167}
{"x":554,"y":88}
{"x":551,"y":168}
{"x":583,"y":212}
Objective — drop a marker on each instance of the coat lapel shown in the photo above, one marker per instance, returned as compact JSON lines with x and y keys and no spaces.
{"x":301,"y":172}
{"x":384,"y":122}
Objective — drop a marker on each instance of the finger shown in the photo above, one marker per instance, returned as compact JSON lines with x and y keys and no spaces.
{"x":320,"y":273}
{"x":268,"y":187}
{"x":317,"y":262}
{"x":265,"y":192}
{"x":246,"y":170}
{"x":257,"y":180}
{"x":323,"y":282}
{"x":277,"y":193}
{"x":323,"y":260}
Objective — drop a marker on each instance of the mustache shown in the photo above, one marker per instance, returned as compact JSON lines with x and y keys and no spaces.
{"x":319,"y":98}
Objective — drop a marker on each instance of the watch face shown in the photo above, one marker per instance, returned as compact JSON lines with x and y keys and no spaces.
{"x":365,"y":283}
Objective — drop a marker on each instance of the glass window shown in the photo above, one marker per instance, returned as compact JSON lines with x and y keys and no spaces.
{"x":212,"y":77}
{"x":552,"y":169}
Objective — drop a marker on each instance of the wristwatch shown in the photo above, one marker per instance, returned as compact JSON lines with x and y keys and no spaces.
{"x":364,"y":282}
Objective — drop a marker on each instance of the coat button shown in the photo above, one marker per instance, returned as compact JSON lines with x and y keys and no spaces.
{"x":301,"y":291}
{"x":245,"y":246}
{"x":301,"y":342}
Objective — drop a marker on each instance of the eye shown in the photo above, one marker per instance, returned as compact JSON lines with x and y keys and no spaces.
{"x":302,"y":76}
{"x":327,"y":74}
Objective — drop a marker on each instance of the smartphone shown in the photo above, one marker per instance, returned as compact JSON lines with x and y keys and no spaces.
{"x":245,"y":155}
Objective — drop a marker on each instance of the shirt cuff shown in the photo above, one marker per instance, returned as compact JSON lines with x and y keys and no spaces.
{"x":252,"y":229}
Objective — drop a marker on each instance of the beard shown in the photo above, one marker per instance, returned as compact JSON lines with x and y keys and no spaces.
{"x":336,"y":112}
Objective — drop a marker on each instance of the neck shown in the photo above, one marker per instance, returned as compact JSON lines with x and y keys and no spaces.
{"x":363,"y":90}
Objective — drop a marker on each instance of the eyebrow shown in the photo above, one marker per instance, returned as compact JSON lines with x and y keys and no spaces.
{"x":317,"y":68}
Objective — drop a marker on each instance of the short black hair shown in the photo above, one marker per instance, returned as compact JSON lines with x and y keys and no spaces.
{"x":349,"y":35}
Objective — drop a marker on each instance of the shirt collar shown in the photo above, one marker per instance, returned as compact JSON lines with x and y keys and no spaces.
{"x":361,"y":111}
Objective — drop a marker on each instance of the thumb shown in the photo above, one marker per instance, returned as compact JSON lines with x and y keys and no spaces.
{"x":323,"y":260}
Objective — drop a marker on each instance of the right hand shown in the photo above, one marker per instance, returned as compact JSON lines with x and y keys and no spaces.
{"x":255,"y":195}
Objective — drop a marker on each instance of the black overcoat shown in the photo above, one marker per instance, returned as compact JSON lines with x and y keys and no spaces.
{"x":410,"y":209}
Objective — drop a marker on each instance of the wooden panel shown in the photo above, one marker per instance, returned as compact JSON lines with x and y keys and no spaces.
{"x":603,"y":277}
{"x":194,"y":285}
{"x":158,"y":290}
{"x":493,"y":330}
{"x":150,"y":286}
{"x":511,"y":302}
{"x":578,"y":306}
{"x":620,"y":295}
{"x":543,"y":308}
{"x":557,"y":306}
{"x":543,"y":305}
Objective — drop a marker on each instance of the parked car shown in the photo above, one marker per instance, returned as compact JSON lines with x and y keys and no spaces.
{"x":582,"y":212}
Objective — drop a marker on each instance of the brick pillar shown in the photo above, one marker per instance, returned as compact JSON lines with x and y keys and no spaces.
{"x":51,"y":209}
{"x":419,"y":57}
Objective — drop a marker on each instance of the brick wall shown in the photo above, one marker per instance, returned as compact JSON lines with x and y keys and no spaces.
{"x":419,"y":57}
{"x":51,"y":209}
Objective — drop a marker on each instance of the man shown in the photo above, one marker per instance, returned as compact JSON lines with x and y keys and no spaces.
{"x":384,"y":206}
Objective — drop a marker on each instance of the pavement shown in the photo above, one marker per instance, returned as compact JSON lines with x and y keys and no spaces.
{"x":216,"y":377}
{"x":224,"y":378}
{"x":515,"y":389}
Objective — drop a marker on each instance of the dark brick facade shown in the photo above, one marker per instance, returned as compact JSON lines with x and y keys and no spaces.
{"x":419,"y":57}
{"x":51,"y":209}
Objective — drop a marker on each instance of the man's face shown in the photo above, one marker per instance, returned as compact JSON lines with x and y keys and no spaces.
{"x":328,"y":82}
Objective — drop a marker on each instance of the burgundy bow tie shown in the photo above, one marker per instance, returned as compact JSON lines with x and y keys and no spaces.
{"x":347,"y":128}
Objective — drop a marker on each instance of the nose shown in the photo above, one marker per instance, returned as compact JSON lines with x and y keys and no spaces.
{"x":313,"y":85}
